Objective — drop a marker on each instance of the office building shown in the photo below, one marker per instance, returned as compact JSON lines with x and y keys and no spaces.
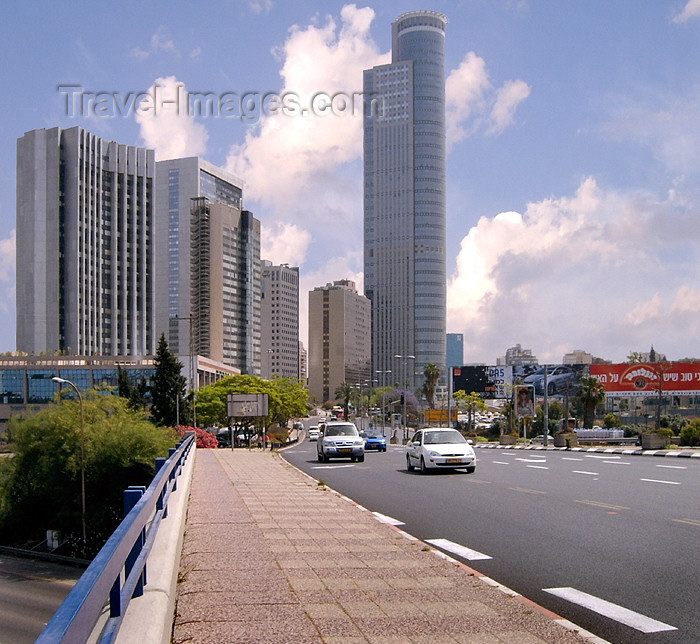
{"x":208,"y":265}
{"x":455,"y":349}
{"x":404,"y":197}
{"x":279,"y":313}
{"x":339,"y":339}
{"x":85,"y":245}
{"x":517,"y":357}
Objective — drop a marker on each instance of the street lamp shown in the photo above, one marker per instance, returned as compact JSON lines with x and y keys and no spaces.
{"x":63,"y":381}
{"x":405,"y":374}
{"x":382,"y":375}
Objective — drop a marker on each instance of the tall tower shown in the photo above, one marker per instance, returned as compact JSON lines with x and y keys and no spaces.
{"x":404,"y":198}
{"x":85,"y":239}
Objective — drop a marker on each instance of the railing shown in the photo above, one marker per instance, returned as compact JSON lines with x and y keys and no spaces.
{"x":126,"y":551}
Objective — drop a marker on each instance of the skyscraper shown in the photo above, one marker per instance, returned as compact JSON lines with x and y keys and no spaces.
{"x":339,"y":351}
{"x":85,"y":238}
{"x":207,"y":264}
{"x":279,"y":314}
{"x":404,"y":197}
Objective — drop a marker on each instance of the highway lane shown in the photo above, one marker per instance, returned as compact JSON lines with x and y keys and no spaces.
{"x":30,"y":593}
{"x":623,"y":529}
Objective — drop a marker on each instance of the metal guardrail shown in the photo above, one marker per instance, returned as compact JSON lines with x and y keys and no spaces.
{"x":125,"y":554}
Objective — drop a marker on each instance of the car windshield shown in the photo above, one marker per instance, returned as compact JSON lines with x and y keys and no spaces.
{"x":341,"y":430}
{"x":372,"y":433}
{"x":440,"y":438}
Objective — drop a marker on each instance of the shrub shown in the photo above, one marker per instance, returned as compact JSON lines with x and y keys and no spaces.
{"x":690,"y":434}
{"x":203,"y":438}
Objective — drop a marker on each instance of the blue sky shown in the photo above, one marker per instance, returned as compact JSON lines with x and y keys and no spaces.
{"x":573,"y":135}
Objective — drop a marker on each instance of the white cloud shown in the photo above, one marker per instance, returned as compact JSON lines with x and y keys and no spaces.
{"x":165,"y":123}
{"x":602,"y":271}
{"x":473,"y":103}
{"x":261,"y":6}
{"x":284,"y":243}
{"x":7,"y":273}
{"x":691,"y":10}
{"x":160,"y":42}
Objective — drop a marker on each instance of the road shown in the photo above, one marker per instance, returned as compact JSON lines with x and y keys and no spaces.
{"x":608,"y":541}
{"x":30,"y":593}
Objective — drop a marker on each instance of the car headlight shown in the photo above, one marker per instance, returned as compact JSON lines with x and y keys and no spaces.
{"x":359,"y":441}
{"x":434,"y":454}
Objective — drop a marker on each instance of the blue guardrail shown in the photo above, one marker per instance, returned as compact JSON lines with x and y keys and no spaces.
{"x":123,"y":556}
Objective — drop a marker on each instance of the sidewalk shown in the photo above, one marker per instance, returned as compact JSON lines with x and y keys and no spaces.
{"x":271,"y":556}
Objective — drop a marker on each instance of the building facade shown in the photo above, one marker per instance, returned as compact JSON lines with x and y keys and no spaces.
{"x":404,"y":196}
{"x":85,"y":245}
{"x":339,"y":339}
{"x":207,"y":265}
{"x":279,"y":307}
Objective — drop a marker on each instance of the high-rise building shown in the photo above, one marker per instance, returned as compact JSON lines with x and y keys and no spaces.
{"x":279,"y":313}
{"x":85,"y":245}
{"x":455,"y":349}
{"x":404,"y":196}
{"x":339,"y":339}
{"x":208,"y":265}
{"x":517,"y":357}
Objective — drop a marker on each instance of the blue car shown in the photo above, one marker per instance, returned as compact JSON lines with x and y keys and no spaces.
{"x":374,"y":439}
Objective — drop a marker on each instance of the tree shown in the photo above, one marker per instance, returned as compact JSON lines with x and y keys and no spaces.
{"x":135,"y":393}
{"x":168,"y":404}
{"x":40,"y":486}
{"x":343,"y":392}
{"x":432,"y":376}
{"x":592,"y":393}
{"x":472,"y":402}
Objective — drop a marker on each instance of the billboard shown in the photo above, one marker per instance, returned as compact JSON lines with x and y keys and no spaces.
{"x":489,"y":382}
{"x":247,"y":405}
{"x":524,"y":401}
{"x":642,"y":379}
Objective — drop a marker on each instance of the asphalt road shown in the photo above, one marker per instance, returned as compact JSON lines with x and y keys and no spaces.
{"x":610,"y":542}
{"x":30,"y":593}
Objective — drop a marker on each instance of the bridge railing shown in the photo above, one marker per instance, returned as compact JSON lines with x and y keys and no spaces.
{"x":124,"y":557}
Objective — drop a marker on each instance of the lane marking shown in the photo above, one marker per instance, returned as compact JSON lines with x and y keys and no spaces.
{"x":584,"y":472}
{"x":532,"y":460}
{"x":673,"y":467}
{"x":385,"y":519}
{"x":688,"y":521}
{"x":617,"y":462}
{"x":331,"y":467}
{"x":523,"y":489}
{"x":598,"y":456}
{"x":455,"y":548}
{"x":500,"y":463}
{"x":537,"y":467}
{"x":623,"y":615}
{"x":659,"y":481}
{"x":568,"y":458}
{"x":598,"y":504}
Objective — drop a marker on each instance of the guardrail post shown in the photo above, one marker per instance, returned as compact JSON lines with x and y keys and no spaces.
{"x":131,"y":498}
{"x":160,"y":503}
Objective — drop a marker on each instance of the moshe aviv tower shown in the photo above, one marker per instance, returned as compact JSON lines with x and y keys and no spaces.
{"x":404,"y":200}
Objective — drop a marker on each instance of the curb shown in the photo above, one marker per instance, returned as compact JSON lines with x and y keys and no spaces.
{"x":149,"y":618}
{"x":570,"y":626}
{"x":637,"y":451}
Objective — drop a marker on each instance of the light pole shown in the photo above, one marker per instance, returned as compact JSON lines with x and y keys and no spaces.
{"x":405,"y":375}
{"x":383,"y":381}
{"x":63,"y":381}
{"x":192,"y":374}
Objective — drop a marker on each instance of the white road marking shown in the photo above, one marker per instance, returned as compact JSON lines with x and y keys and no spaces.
{"x":532,"y":460}
{"x":608,"y":458}
{"x":330,"y":467}
{"x":617,"y":462}
{"x":385,"y":519}
{"x":568,"y":458}
{"x":613,"y":611}
{"x":583,"y":472}
{"x":537,"y":467}
{"x":455,"y":548}
{"x":673,"y":467}
{"x":658,"y":481}
{"x":500,"y":463}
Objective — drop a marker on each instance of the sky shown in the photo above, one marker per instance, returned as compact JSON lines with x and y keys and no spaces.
{"x":573,"y":168}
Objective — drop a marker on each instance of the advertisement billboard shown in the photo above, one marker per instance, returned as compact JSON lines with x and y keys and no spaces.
{"x":642,"y":379}
{"x":489,"y":382}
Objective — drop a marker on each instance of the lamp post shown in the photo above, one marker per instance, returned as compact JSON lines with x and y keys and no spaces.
{"x":405,"y":374}
{"x":192,"y":368}
{"x":63,"y":381}
{"x":382,"y":375}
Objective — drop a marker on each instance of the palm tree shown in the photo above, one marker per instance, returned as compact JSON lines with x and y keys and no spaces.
{"x":592,"y":393}
{"x":432,"y":375}
{"x":344,"y":392}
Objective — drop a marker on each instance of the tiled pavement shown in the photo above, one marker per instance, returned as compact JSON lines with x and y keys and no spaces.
{"x":271,"y":556}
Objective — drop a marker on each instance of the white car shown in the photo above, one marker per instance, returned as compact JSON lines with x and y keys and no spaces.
{"x":439,"y":447}
{"x":339,"y":439}
{"x":312,"y":433}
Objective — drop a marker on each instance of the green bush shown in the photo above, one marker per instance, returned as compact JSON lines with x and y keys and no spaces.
{"x":40,"y":486}
{"x":690,"y":434}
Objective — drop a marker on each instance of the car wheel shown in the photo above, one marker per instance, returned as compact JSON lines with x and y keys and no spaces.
{"x":423,"y":468}
{"x":326,"y":459}
{"x":361,"y":459}
{"x":320,"y":457}
{"x":409,"y":465}
{"x":471,"y":469}
{"x":353,"y":459}
{"x":551,"y":389}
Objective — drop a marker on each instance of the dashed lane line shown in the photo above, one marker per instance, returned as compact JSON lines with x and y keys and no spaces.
{"x":455,"y":548}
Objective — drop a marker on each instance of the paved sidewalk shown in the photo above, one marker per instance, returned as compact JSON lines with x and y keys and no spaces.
{"x":271,"y":556}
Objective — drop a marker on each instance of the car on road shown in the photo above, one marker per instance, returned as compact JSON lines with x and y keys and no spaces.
{"x":313,"y":432}
{"x":374,"y":439}
{"x":340,"y":439}
{"x":439,"y":448}
{"x":540,"y":439}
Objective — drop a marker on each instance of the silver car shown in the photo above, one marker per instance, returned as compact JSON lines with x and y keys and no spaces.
{"x":439,"y":447}
{"x":340,"y":439}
